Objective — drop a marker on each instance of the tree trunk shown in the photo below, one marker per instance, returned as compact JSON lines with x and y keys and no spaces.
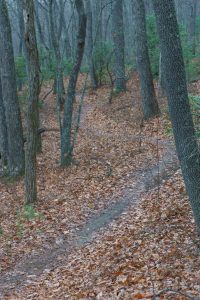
{"x":66,"y":143}
{"x":32,"y":111}
{"x":118,"y":45}
{"x":41,"y":34}
{"x":192,"y":25}
{"x":58,"y":83}
{"x":149,"y":102}
{"x":9,"y":94}
{"x":89,"y":38}
{"x":179,"y":107}
{"x":161,"y":81}
{"x":3,"y":132}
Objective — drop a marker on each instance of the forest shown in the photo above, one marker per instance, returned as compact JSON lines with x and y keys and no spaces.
{"x":100,"y":149}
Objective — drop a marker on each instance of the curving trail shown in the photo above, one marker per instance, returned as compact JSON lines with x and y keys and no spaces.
{"x":143,"y":180}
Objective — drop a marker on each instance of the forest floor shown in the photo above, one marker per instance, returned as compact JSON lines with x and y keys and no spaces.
{"x":116,"y":224}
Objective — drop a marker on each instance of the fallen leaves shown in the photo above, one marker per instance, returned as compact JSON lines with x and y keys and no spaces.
{"x":152,"y":247}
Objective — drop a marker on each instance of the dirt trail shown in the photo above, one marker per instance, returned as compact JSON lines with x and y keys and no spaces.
{"x":35,"y":265}
{"x":142,"y":181}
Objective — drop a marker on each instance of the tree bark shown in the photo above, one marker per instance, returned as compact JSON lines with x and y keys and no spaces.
{"x":179,"y":107}
{"x":9,"y":94}
{"x":161,"y":81}
{"x":3,"y":132}
{"x":32,"y":111}
{"x":149,"y":102}
{"x":66,"y":143}
{"x":118,"y":45}
{"x":58,"y":84}
{"x":89,"y":39}
{"x":192,"y":25}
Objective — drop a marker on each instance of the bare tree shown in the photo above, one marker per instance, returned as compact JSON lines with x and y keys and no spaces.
{"x":32,"y":111}
{"x":149,"y":102}
{"x":118,"y":44}
{"x":9,"y":95}
{"x":179,"y":107}
{"x":89,"y":39}
{"x":66,"y":140}
{"x":59,"y":85}
{"x":192,"y":24}
{"x":3,"y":132}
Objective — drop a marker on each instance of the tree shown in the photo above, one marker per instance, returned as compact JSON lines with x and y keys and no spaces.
{"x":21,"y":26}
{"x":149,"y":102}
{"x":59,"y":85}
{"x":9,"y":95}
{"x":3,"y":132}
{"x":192,"y":24}
{"x":66,"y":140}
{"x":32,"y":110}
{"x":90,"y":45}
{"x":179,"y":107}
{"x":118,"y":45}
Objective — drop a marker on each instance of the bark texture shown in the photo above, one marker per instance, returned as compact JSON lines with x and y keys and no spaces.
{"x":32,"y":110}
{"x":118,"y":45}
{"x":89,"y":38}
{"x":3,"y":132}
{"x":66,"y":142}
{"x":179,"y":108}
{"x":192,"y":25}
{"x":149,"y":102}
{"x":58,"y":84}
{"x":9,"y":95}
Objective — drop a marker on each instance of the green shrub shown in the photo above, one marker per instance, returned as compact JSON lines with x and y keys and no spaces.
{"x":102,"y":58}
{"x":195,"y":106}
{"x":67,"y":66}
{"x":192,"y":63}
{"x":20,"y":68}
{"x":153,"y":44}
{"x":28,"y":213}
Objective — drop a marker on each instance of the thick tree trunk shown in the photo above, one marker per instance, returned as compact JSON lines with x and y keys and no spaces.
{"x":149,"y":102}
{"x":161,"y":81}
{"x":66,"y":143}
{"x":179,"y":107}
{"x":118,"y":45}
{"x":3,"y":132}
{"x":9,"y":93}
{"x":89,"y":39}
{"x":32,"y":111}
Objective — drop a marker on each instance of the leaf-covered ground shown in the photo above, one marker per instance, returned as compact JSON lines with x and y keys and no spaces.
{"x":151,"y":248}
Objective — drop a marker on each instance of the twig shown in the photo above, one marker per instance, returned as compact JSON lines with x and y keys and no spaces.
{"x":47,"y":94}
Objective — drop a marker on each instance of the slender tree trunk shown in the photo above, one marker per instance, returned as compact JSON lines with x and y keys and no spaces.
{"x":22,"y":51}
{"x":32,"y":111}
{"x":66,"y":143}
{"x":39,"y":27}
{"x":89,"y":38}
{"x":118,"y":44}
{"x":9,"y":93}
{"x":3,"y":132}
{"x":149,"y":102}
{"x":179,"y":107}
{"x":58,"y":84}
{"x":192,"y":25}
